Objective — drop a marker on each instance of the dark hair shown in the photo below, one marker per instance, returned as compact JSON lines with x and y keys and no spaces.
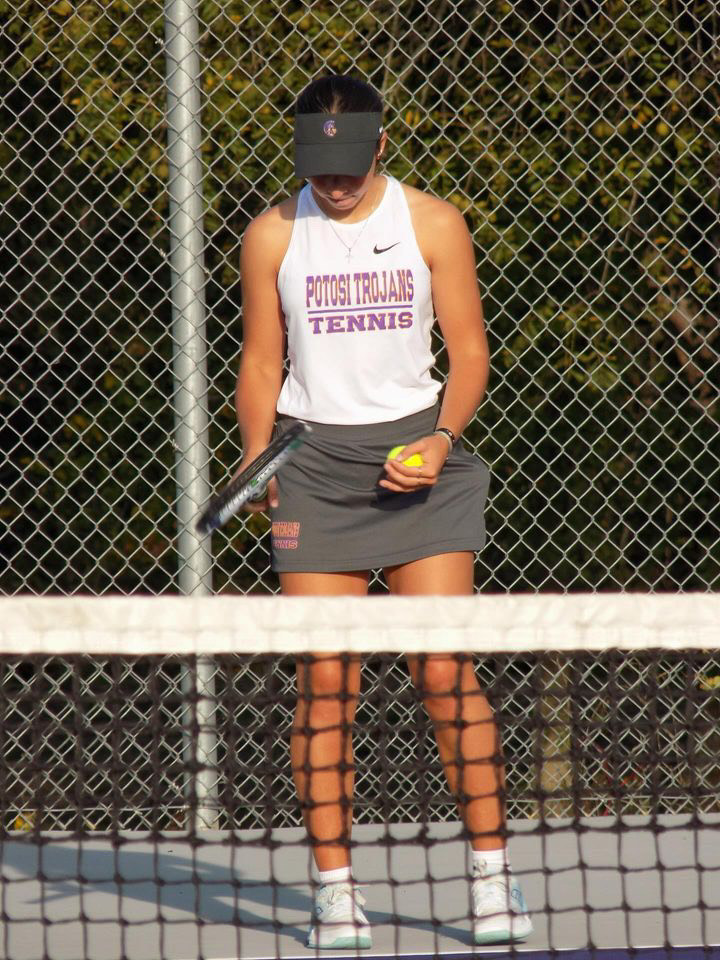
{"x":339,"y":94}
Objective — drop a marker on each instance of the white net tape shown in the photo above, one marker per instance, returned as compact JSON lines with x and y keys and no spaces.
{"x":292,"y":625}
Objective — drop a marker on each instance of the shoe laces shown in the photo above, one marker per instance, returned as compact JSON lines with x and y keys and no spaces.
{"x":333,"y":898}
{"x":491,"y":894}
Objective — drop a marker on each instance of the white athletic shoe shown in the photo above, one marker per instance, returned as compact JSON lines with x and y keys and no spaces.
{"x":500,"y":914}
{"x":338,"y":922}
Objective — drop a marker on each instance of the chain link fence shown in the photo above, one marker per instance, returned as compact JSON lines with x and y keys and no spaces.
{"x":580,"y":142}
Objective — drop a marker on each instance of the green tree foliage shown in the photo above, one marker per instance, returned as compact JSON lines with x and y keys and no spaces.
{"x":578,"y":141}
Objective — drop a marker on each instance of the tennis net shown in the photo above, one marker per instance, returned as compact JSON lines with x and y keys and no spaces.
{"x":149,"y":792}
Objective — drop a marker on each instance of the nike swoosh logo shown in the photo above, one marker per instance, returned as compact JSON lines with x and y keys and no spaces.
{"x":384,"y":249}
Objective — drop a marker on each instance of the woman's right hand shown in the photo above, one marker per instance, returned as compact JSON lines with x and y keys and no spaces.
{"x":269,"y":500}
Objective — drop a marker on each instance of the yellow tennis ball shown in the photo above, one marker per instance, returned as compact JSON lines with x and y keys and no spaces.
{"x":413,"y":461}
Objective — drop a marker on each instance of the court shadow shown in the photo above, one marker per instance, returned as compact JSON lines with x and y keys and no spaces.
{"x":169,"y":887}
{"x":208,"y":892}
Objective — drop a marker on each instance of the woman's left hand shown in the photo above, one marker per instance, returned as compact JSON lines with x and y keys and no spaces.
{"x":434,"y":451}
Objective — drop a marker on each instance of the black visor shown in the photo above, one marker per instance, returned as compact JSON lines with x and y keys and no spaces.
{"x":335,"y":143}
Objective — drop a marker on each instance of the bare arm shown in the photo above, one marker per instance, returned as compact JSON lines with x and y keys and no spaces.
{"x":261,"y":363}
{"x":459,"y":311}
{"x":446,"y":244}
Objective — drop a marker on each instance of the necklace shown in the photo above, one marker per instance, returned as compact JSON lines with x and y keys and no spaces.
{"x":350,"y":247}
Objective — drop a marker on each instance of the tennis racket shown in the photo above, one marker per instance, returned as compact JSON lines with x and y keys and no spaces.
{"x":251,"y":484}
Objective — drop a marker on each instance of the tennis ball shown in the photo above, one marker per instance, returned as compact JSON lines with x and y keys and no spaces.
{"x":413,"y":461}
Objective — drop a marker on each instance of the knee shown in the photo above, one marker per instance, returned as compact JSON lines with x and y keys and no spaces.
{"x":440,"y":677}
{"x":329,"y":678}
{"x":327,"y":690}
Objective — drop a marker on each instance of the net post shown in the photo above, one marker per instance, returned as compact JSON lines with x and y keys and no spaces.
{"x":191,"y":441}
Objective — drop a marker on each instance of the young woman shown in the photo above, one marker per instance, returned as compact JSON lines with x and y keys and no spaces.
{"x":352,"y":272}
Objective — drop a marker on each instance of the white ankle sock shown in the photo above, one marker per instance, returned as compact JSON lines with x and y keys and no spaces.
{"x":489,"y":862}
{"x":340,"y":875}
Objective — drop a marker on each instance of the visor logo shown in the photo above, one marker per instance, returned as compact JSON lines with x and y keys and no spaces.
{"x":329,"y":128}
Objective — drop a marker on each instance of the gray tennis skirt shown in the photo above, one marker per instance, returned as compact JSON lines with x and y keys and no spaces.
{"x":332,"y":515}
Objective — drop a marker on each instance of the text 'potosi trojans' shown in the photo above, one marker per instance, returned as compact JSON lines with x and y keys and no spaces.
{"x":372,"y":300}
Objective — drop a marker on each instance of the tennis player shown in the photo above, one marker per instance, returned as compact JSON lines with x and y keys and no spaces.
{"x":350,"y":274}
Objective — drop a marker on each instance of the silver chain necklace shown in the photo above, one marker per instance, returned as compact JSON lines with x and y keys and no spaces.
{"x":350,"y":247}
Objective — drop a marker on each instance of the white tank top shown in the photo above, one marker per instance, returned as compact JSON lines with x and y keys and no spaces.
{"x":358,"y":326}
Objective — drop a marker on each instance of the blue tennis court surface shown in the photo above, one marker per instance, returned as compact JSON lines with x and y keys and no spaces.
{"x":594,"y":892}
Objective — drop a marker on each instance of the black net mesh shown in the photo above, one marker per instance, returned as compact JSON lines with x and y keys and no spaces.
{"x":153,"y":806}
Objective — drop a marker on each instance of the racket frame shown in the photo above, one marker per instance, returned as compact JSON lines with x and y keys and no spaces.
{"x":251,"y":484}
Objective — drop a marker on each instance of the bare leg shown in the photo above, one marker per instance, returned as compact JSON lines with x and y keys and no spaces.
{"x":321,"y":740}
{"x":462,"y":718}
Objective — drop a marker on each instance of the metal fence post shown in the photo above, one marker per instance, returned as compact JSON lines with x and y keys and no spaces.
{"x":187,"y":291}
